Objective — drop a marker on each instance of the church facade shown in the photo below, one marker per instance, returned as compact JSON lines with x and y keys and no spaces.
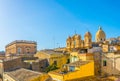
{"x":76,"y":42}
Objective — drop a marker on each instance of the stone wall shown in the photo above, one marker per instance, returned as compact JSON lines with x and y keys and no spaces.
{"x":97,"y":63}
{"x":12,"y":64}
{"x":40,"y":65}
{"x":112,"y":66}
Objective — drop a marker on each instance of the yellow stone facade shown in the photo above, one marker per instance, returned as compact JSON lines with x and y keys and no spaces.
{"x":76,"y":56}
{"x":105,"y":47}
{"x":79,"y":72}
{"x":53,"y":57}
{"x":75,"y":42}
{"x":21,"y":47}
{"x":88,"y":39}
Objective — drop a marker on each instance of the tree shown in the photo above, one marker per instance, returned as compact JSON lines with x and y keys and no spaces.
{"x":51,"y":68}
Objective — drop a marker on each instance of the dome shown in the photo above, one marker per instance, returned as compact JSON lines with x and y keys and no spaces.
{"x":88,"y":34}
{"x":100,"y":35}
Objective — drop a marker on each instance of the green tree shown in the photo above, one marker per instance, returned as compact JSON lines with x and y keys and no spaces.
{"x":51,"y":68}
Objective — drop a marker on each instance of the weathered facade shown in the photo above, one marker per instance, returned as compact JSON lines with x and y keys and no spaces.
{"x":78,"y":69}
{"x":20,"y":47}
{"x":40,"y":65}
{"x":75,"y":42}
{"x":53,"y":57}
{"x":110,"y":64}
{"x":35,"y":64}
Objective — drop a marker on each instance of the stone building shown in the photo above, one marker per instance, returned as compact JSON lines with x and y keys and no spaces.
{"x":110,"y":64}
{"x":2,"y":54}
{"x":40,"y":65}
{"x":21,"y":47}
{"x":81,"y":55}
{"x":31,"y":63}
{"x":54,"y":57}
{"x":75,"y":70}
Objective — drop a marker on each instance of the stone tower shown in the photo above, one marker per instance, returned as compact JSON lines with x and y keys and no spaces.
{"x":68,"y":43}
{"x":88,"y":40}
{"x":100,"y":35}
{"x":73,"y":42}
{"x":78,"y":41}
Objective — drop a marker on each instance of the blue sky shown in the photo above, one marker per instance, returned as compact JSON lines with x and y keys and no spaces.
{"x":50,"y":22}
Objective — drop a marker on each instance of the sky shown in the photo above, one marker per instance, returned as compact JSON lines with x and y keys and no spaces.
{"x":50,"y":22}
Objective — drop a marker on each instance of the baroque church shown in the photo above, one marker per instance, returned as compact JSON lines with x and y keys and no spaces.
{"x":75,"y":42}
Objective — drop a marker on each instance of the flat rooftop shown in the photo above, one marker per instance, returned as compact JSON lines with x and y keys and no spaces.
{"x":78,"y":63}
{"x":50,"y":51}
{"x":21,"y":41}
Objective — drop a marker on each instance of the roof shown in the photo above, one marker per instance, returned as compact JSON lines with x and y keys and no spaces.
{"x":21,"y":41}
{"x":88,"y":34}
{"x":50,"y":51}
{"x":112,"y":55}
{"x":78,"y":63}
{"x":100,"y":33}
{"x":23,"y":74}
{"x":8,"y":59}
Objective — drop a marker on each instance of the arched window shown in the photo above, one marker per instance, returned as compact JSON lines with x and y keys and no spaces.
{"x":67,"y":44}
{"x":74,"y":43}
{"x":28,"y":50}
{"x":19,"y":50}
{"x":89,"y":40}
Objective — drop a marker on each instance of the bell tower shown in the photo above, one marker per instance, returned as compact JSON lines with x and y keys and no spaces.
{"x":88,"y":40}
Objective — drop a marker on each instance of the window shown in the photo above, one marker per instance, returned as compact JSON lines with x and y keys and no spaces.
{"x":89,"y":40}
{"x":27,"y":50}
{"x":68,"y":61}
{"x":55,"y":62}
{"x":41,"y":67}
{"x":71,"y":68}
{"x":35,"y":47}
{"x":104,"y":63}
{"x":67,"y":44}
{"x":74,"y":43}
{"x":19,"y":50}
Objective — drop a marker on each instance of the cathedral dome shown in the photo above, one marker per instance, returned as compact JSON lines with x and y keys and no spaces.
{"x":88,"y":34}
{"x":100,"y":35}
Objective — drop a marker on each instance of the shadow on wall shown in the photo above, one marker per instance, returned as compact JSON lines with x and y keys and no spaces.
{"x":110,"y":66}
